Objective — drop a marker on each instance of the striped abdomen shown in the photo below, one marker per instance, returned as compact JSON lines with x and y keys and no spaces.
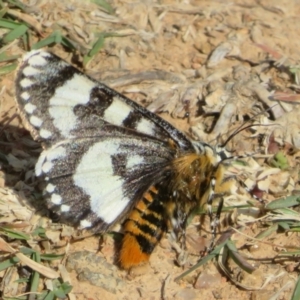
{"x":143,"y":229}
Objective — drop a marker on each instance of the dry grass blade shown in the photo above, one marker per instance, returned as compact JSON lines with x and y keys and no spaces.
{"x":47,"y":272}
{"x":222,"y":264}
{"x":27,"y":19}
{"x":66,"y":278}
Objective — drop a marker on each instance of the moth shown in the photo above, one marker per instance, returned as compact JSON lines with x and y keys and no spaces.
{"x":108,"y":160}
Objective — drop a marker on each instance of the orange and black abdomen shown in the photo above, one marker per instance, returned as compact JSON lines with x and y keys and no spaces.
{"x":143,"y":229}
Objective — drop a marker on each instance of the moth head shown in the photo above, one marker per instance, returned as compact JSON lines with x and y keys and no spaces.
{"x":215,"y":154}
{"x":222,"y":153}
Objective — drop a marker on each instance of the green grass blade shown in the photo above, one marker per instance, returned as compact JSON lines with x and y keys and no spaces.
{"x":8,"y":263}
{"x":27,"y":251}
{"x":50,"y":257}
{"x":104,"y":4}
{"x":50,"y":296}
{"x":7,"y":69}
{"x":280,"y":161}
{"x":22,"y":280}
{"x":61,"y":290}
{"x":35,"y":276}
{"x":14,"y":234}
{"x":17,"y":3}
{"x":67,"y":43}
{"x":5,"y":58}
{"x":4,"y":23}
{"x":203,"y":260}
{"x":267,"y":232}
{"x":15,"y":34}
{"x":95,"y":49}
{"x":238,"y":259}
{"x":284,"y":225}
{"x":295,"y":228}
{"x":57,"y":37}
{"x":40,"y":232}
{"x":97,"y":46}
{"x":18,"y":298}
{"x":296,"y":293}
{"x":3,"y":12}
{"x":283,"y":202}
{"x":51,"y":39}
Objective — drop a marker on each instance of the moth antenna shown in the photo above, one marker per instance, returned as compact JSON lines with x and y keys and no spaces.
{"x":241,"y":128}
{"x":238,"y":131}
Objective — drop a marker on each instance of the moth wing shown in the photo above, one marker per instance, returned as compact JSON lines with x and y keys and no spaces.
{"x":59,"y":102}
{"x":102,"y":150}
{"x":93,"y":182}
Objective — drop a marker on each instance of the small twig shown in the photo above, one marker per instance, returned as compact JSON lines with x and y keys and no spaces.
{"x":163,"y":288}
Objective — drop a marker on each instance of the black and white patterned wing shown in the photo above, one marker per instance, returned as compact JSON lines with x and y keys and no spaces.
{"x":102,"y":150}
{"x":93,"y":182}
{"x":58,"y":102}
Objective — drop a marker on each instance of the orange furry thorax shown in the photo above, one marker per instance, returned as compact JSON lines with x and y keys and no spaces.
{"x":193,"y":173}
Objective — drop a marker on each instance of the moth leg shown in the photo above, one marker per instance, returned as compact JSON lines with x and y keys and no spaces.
{"x":214,"y":218}
{"x":177,"y":219}
{"x":180,"y":249}
{"x":214,"y":223}
{"x":219,"y":186}
{"x":143,"y":229}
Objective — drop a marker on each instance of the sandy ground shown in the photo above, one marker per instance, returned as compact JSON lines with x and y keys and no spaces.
{"x":207,"y":67}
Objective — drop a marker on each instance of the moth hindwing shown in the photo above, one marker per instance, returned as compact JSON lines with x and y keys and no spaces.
{"x":107,"y":159}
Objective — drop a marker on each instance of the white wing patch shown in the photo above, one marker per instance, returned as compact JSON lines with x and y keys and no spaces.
{"x":36,"y":121}
{"x":117,"y":112}
{"x":85,"y":224}
{"x":25,"y":96}
{"x":47,"y":166}
{"x":26,"y":83}
{"x":31,"y":71}
{"x":134,"y":160}
{"x":57,"y":152}
{"x":65,"y":208}
{"x":75,"y":91}
{"x":38,"y":59}
{"x":29,"y":108}
{"x":95,"y":176}
{"x":44,"y":133}
{"x":145,"y":126}
{"x":50,"y":188}
{"x":45,"y":161}
{"x":56,"y":199}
